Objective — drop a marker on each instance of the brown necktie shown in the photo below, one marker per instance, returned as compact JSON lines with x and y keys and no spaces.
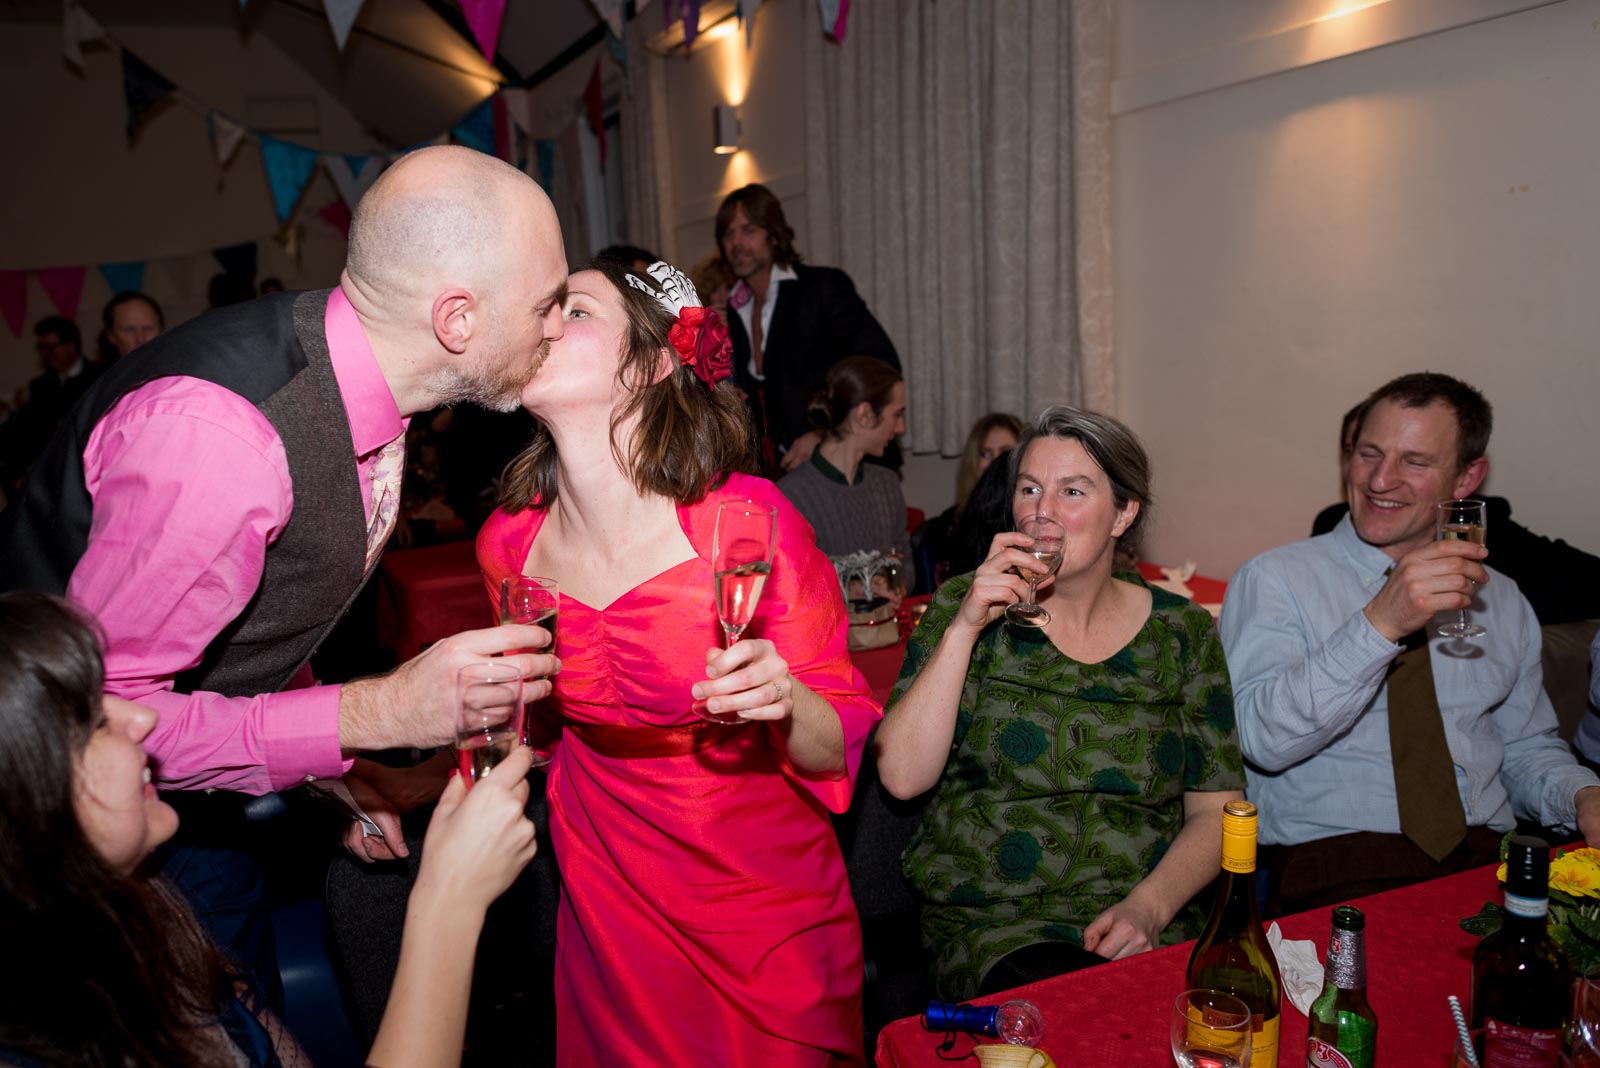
{"x":755,"y":332}
{"x":1424,"y":775}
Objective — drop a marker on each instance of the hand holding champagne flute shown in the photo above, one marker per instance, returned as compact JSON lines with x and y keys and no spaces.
{"x":741,"y":560}
{"x":488,"y":716}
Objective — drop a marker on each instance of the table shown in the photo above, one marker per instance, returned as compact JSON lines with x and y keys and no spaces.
{"x":430,"y":593}
{"x":1416,"y":955}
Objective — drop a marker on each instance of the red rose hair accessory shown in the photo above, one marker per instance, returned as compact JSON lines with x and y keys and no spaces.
{"x":698,"y":335}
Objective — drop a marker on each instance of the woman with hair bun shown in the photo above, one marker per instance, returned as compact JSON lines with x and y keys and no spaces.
{"x":854,"y":505}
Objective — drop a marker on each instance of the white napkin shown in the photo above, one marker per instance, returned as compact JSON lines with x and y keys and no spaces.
{"x":1177,"y":579}
{"x":1298,"y":964}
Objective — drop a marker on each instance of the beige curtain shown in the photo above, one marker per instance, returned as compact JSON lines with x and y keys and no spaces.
{"x":959,"y":168}
{"x":646,"y":159}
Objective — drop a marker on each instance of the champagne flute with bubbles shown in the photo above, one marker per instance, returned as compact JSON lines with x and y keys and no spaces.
{"x":536,"y":600}
{"x":741,"y":560}
{"x":1047,"y":546}
{"x":1463,"y":520}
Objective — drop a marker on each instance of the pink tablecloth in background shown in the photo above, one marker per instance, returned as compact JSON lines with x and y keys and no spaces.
{"x":1118,"y":1013}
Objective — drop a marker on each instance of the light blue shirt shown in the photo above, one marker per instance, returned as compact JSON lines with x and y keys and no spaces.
{"x":1308,"y":687}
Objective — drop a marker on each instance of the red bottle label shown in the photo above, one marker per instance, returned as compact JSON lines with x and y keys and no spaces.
{"x":1321,"y":1055}
{"x":1508,"y":1046}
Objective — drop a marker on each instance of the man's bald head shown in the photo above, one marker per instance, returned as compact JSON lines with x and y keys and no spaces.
{"x":456,"y":262}
{"x":444,"y":216}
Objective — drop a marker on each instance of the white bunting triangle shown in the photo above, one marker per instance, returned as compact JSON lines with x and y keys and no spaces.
{"x":341,"y":16}
{"x":350,"y":184}
{"x":611,"y":11}
{"x":77,"y":26}
{"x":225,"y":136}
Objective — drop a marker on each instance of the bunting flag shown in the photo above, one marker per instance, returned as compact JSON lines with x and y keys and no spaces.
{"x":352,"y":175}
{"x":14,"y":299}
{"x":225,"y":135}
{"x":518,"y":106}
{"x":64,"y":287}
{"x":142,"y":87}
{"x":483,"y":18}
{"x":838,"y":26}
{"x":341,"y":16}
{"x":544,"y":153}
{"x":747,"y":19}
{"x":78,"y":27}
{"x":123,"y":277}
{"x":690,"y":11}
{"x":503,"y":146}
{"x":477,"y":129}
{"x":834,"y":13}
{"x":619,"y":51}
{"x":237,"y":259}
{"x":289,"y":168}
{"x":611,"y":12}
{"x":594,"y":104}
{"x":336,"y":213}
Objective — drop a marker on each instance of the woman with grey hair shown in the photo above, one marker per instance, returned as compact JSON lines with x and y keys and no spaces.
{"x":1079,"y":769}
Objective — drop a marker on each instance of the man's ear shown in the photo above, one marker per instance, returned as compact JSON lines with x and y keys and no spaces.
{"x":455,"y":314}
{"x":1471,"y":477}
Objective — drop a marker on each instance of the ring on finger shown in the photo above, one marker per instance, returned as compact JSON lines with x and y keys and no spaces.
{"x":776,"y":685}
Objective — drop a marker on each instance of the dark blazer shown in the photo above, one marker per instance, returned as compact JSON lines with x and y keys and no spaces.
{"x":1560,"y":581}
{"x":818,"y":321}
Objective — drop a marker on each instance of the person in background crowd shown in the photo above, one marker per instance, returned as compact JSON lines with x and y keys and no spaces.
{"x":163,"y":506}
{"x":64,"y":377}
{"x":987,"y":513}
{"x":1379,"y":752}
{"x":628,"y":257}
{"x":271,"y":285}
{"x":854,"y":506}
{"x":119,"y":971}
{"x":932,"y":543}
{"x":1084,"y":763}
{"x":714,"y":282}
{"x":791,"y":322}
{"x":128,"y":320}
{"x":705,"y":916}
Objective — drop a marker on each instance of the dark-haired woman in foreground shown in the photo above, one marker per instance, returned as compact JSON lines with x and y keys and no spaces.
{"x":1081,"y":767}
{"x":705,"y":914}
{"x":104,"y":965}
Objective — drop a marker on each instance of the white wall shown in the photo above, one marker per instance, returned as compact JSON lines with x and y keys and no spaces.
{"x":77,"y":193}
{"x":1287,"y":244}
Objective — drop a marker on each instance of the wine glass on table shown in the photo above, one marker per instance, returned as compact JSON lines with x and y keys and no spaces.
{"x":741,"y":560}
{"x":488,"y":716}
{"x":1047,"y":544}
{"x":1463,"y":520}
{"x":535,"y":600}
{"x":1210,"y":1029}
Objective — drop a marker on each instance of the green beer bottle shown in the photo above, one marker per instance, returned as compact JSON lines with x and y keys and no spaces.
{"x":1344,"y":1029}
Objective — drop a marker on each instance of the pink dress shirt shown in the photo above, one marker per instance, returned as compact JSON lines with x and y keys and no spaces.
{"x":190,"y":485}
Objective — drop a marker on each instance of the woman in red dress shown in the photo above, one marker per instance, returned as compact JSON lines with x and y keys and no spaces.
{"x":705,"y":915}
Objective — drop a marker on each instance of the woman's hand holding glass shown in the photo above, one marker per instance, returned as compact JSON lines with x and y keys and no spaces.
{"x":479,"y":840}
{"x":998,"y":582}
{"x":745,"y":682}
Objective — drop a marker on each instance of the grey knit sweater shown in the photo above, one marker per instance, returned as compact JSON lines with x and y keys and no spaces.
{"x":868,"y":515}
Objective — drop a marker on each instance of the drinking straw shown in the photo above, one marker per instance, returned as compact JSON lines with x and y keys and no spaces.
{"x":1462,"y":1032}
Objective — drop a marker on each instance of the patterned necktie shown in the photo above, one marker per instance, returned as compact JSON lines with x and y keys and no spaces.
{"x":1424,"y":773}
{"x":386,"y":475}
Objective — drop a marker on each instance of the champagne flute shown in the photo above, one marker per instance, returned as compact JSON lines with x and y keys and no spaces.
{"x":1210,"y":1029}
{"x":536,"y":600}
{"x":488,"y":716}
{"x":1049,"y":540}
{"x":1463,"y":520}
{"x":741,"y":560}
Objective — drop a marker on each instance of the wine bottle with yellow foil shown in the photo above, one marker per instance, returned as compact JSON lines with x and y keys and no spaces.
{"x":1232,"y":954}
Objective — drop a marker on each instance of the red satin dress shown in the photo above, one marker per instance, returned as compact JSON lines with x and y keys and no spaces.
{"x":705,"y":915}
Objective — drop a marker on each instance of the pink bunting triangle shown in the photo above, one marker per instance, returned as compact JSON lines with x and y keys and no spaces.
{"x":64,"y":285}
{"x":14,"y":299}
{"x":336,"y":213}
{"x":483,"y":18}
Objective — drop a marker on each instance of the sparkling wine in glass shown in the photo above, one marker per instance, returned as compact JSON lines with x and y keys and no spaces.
{"x":1210,"y":1029}
{"x":1047,"y":546}
{"x":488,"y":716}
{"x":1463,"y":520}
{"x":741,"y":560}
{"x":535,"y":600}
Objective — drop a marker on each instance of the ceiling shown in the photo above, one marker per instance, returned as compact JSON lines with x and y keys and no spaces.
{"x":409,"y":68}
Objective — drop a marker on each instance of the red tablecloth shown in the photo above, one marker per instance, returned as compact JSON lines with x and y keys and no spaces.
{"x":430,"y":593}
{"x":1118,"y":1013}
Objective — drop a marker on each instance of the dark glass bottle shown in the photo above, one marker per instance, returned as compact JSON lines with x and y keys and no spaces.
{"x":1344,"y":1029}
{"x":1521,"y":980}
{"x":1232,"y":954}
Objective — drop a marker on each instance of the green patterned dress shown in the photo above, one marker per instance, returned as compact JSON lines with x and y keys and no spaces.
{"x":1065,"y":781}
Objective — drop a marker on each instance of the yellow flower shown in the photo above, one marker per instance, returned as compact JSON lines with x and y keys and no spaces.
{"x":1577,"y":873}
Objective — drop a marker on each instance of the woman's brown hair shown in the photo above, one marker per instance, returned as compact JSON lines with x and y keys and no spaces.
{"x":689,"y":437}
{"x":967,"y":472}
{"x":853,"y":380}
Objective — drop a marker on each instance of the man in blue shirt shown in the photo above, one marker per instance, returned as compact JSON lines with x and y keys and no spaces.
{"x":1314,"y":634}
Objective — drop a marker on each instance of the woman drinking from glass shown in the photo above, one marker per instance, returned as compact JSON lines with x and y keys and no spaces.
{"x":1079,"y":766}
